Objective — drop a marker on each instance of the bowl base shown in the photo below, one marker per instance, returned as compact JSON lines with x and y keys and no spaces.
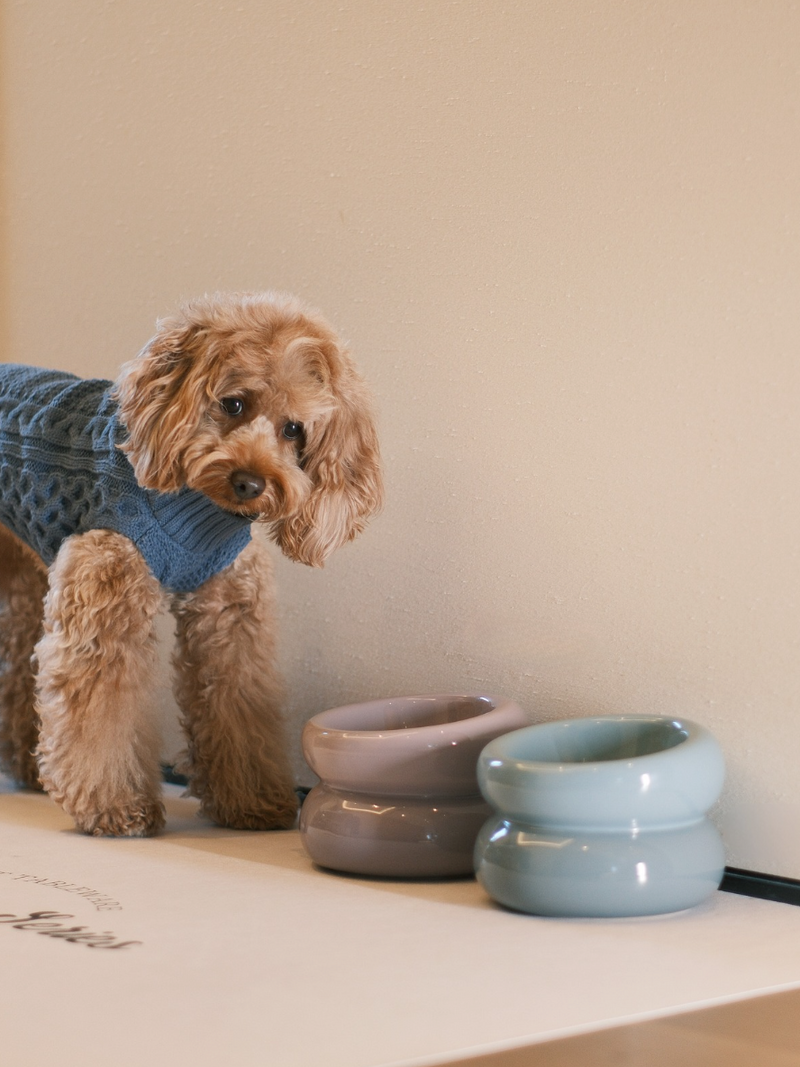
{"x":607,"y":874}
{"x":398,"y":837}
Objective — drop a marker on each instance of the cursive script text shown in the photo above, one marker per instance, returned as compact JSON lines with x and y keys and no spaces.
{"x":47,"y":924}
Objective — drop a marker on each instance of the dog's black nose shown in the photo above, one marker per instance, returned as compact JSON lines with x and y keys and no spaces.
{"x":247,"y":485}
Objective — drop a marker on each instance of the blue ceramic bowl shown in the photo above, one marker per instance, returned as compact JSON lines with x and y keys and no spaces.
{"x":603,"y":817}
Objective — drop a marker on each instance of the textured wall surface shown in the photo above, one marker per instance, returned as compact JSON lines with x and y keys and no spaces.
{"x":564,"y":242}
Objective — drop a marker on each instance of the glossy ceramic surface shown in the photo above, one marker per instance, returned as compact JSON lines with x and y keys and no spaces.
{"x":398,"y":794}
{"x":601,"y":817}
{"x":398,"y":837}
{"x":407,"y":746}
{"x":607,"y":772}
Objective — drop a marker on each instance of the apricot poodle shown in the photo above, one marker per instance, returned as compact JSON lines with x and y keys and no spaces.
{"x":117,"y":498}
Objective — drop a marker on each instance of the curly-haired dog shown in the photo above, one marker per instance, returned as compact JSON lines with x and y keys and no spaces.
{"x":115,"y":497}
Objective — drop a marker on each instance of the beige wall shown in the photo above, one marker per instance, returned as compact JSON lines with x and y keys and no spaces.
{"x":563,"y":240}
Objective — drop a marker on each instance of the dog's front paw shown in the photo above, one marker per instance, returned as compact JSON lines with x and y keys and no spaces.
{"x":143,"y":819}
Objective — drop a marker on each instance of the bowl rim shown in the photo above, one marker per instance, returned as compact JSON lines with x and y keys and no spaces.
{"x":498,"y":705}
{"x":497,"y":751}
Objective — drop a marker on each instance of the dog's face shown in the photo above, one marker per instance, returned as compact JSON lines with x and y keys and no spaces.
{"x":254,"y":402}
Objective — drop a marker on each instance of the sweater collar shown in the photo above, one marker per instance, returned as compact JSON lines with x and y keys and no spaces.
{"x":193,"y":521}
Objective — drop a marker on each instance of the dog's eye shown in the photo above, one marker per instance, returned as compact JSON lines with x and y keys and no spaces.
{"x":232,"y":405}
{"x":292,"y":431}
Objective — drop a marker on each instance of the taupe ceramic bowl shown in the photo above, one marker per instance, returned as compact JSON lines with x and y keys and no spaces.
{"x":399,"y":794}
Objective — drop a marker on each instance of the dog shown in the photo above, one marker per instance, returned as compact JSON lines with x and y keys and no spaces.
{"x":117,"y":498}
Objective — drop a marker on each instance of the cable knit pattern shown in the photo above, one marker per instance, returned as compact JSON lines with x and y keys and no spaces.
{"x":62,"y":473}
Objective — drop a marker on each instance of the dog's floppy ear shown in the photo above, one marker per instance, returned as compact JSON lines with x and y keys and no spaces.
{"x":342,"y":459}
{"x":147,"y":390}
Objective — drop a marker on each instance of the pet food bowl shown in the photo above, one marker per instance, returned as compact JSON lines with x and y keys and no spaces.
{"x":399,"y":794}
{"x":601,"y":817}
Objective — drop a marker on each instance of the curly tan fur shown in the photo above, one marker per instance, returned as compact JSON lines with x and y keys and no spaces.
{"x":277,"y":367}
{"x":235,"y":758}
{"x":98,"y":745}
{"x":23,"y":584}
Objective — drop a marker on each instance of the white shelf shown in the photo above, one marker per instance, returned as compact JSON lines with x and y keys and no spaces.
{"x":249,"y":955}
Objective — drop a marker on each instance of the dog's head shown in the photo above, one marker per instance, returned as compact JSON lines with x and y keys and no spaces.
{"x":252,"y":400}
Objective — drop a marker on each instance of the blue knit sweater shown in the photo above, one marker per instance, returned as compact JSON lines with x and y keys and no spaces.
{"x":62,"y":473}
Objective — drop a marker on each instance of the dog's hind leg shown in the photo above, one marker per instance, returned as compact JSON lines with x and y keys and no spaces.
{"x":229,"y":693}
{"x":99,"y":743}
{"x":23,"y":584}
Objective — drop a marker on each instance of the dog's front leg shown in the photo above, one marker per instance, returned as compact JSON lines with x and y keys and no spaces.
{"x":229,"y":693}
{"x":99,"y":746}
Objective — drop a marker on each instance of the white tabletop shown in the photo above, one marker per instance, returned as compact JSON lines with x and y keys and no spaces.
{"x":248,"y":955}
